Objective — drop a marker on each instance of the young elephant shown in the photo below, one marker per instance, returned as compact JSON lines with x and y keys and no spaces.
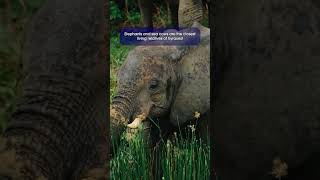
{"x":170,"y":83}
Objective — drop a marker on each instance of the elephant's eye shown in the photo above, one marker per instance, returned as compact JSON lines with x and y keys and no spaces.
{"x":153,"y":84}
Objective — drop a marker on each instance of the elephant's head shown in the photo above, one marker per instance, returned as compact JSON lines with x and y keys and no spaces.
{"x":147,"y":82}
{"x":150,"y":83}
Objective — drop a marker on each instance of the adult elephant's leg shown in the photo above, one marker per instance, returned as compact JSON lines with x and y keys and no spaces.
{"x":190,"y":11}
{"x":268,"y":92}
{"x":146,"y":9}
{"x":97,"y":166}
{"x":58,"y":123}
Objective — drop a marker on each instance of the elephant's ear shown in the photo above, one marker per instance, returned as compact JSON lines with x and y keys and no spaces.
{"x":193,"y":94}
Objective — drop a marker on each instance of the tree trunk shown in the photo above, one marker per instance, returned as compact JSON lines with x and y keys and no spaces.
{"x":174,"y":7}
{"x":267,"y":85}
{"x":146,"y":9}
{"x":59,"y":130}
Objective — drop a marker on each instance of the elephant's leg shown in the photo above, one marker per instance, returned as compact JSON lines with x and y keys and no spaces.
{"x":146,"y":9}
{"x":97,"y":165}
{"x":174,"y":7}
{"x":190,"y":11}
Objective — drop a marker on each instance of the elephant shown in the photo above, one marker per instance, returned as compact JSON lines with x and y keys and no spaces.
{"x":168,"y":83}
{"x":266,"y":89}
{"x":59,"y":129}
{"x":183,"y":13}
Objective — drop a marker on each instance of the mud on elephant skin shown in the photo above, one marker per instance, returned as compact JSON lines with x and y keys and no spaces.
{"x":166,"y":82}
{"x":59,"y":128}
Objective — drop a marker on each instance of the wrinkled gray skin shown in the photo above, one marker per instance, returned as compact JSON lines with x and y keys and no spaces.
{"x":267,"y":99}
{"x":59,"y":129}
{"x":166,"y":82}
{"x":146,"y":9}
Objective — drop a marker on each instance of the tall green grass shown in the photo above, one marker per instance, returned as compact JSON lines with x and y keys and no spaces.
{"x":131,"y":160}
{"x":179,"y":158}
{"x":187,"y":159}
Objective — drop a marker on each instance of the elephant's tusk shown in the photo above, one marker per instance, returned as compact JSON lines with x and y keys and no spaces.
{"x":136,"y":122}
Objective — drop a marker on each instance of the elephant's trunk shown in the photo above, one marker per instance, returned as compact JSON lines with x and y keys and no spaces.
{"x":117,"y":122}
{"x":120,"y":112}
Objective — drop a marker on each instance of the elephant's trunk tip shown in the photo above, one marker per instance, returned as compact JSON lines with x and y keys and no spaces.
{"x":137,"y":121}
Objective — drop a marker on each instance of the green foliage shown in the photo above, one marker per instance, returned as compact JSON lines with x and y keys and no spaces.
{"x":185,"y":158}
{"x":134,"y":17}
{"x":161,"y":17}
{"x":127,"y":17}
{"x":115,"y":14}
{"x":132,"y":159}
{"x":118,"y":52}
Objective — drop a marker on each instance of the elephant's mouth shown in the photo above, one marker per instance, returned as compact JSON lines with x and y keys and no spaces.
{"x":136,"y":121}
{"x":153,"y":111}
{"x":131,"y":122}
